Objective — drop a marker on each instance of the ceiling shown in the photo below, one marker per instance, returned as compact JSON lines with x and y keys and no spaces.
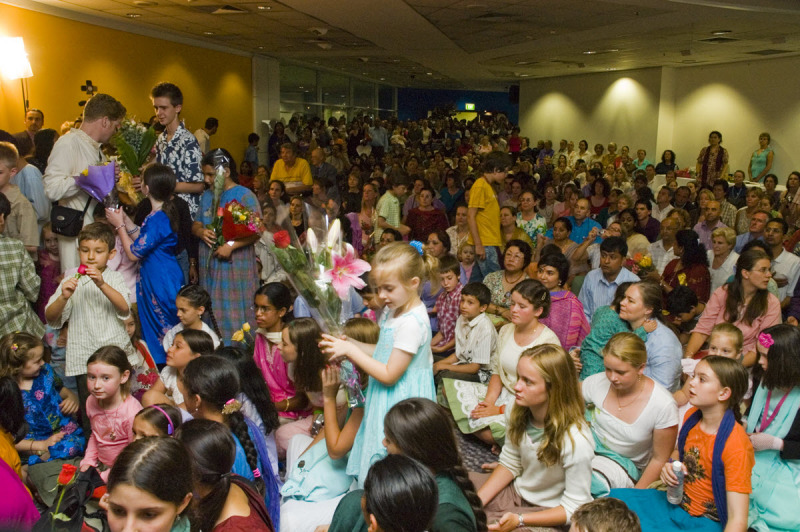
{"x":471,"y":44}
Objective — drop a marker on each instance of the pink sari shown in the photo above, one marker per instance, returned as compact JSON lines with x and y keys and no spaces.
{"x":566,"y":319}
{"x":275,"y":371}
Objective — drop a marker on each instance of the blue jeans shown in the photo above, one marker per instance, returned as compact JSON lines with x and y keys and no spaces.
{"x":492,"y":261}
{"x":183,"y":262}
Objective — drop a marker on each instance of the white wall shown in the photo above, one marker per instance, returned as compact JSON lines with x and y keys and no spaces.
{"x":667,"y":108}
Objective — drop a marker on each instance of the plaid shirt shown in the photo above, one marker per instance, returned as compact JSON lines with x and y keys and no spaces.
{"x":19,"y":287}
{"x":448,"y":307}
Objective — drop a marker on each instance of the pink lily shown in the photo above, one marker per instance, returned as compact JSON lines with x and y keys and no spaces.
{"x":346,"y":271}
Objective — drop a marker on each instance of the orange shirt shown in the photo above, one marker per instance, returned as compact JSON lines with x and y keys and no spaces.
{"x":8,"y":453}
{"x":738,"y":457}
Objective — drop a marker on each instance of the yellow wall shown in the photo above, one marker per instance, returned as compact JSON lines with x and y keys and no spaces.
{"x":64,"y":54}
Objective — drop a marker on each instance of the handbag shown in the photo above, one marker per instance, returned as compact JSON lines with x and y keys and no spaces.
{"x":66,"y":221}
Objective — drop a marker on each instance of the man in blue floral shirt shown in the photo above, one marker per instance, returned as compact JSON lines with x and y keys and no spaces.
{"x":176,"y":147}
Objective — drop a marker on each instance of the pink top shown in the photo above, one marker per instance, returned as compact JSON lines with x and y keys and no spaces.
{"x":715,"y":313}
{"x":275,"y":371}
{"x":128,"y":268}
{"x":112,"y":431}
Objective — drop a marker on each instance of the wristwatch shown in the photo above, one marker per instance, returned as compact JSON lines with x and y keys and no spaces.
{"x":521,"y":521}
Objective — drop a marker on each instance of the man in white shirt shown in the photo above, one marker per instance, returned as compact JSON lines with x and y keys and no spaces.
{"x":662,"y":251}
{"x":663,"y":205}
{"x":203,"y":135}
{"x":785,"y":265}
{"x":71,"y":155}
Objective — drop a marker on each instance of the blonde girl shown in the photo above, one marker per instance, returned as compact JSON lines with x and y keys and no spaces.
{"x":110,"y":408}
{"x":726,"y":340}
{"x":545,"y":467}
{"x":400,"y":365}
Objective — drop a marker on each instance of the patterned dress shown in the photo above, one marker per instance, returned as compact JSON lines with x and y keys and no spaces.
{"x":45,"y":418}
{"x":231,"y":283}
{"x":533,"y":228}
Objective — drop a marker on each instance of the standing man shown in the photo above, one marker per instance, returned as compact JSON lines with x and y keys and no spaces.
{"x":176,"y":147}
{"x":34,"y":120}
{"x":380,"y":139}
{"x":71,"y":155}
{"x":203,"y":135}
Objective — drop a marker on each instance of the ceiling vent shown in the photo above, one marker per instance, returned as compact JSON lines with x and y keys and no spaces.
{"x":719,"y":40}
{"x":769,"y":52}
{"x":493,"y":17}
{"x":221,"y":10}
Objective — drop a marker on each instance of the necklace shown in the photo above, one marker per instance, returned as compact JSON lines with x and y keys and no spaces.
{"x":112,"y":434}
{"x":505,"y":277}
{"x":620,"y":406}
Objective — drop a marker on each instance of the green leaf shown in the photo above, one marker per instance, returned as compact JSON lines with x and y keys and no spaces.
{"x":128,"y":156}
{"x":148,"y":141}
{"x":61,"y":517}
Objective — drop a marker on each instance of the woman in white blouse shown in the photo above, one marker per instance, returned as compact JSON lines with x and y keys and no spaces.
{"x":634,"y":419}
{"x":721,"y":257}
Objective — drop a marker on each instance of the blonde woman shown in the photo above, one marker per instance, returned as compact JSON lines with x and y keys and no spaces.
{"x":633,"y":418}
{"x":544,"y":472}
{"x":721,"y":257}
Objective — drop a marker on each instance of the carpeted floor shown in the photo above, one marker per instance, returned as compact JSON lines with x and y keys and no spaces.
{"x":475,"y":452}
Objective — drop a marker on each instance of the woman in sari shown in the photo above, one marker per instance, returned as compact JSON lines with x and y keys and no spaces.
{"x":566,"y":317}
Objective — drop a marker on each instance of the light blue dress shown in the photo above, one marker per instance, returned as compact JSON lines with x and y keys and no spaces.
{"x":410,"y":332}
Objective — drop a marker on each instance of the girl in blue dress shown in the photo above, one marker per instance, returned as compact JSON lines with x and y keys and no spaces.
{"x":160,"y":276}
{"x":400,"y":366}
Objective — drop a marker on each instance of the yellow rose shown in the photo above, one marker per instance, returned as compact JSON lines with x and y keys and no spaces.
{"x":238,"y":336}
{"x":246,"y":327}
{"x":646,"y":262}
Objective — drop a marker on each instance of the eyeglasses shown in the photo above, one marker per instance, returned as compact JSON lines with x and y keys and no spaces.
{"x":263,"y":310}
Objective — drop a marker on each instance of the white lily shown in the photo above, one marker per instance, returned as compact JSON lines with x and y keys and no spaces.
{"x":334,"y":234}
{"x":311,"y":241}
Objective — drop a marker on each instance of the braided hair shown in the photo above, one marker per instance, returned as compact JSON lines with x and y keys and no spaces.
{"x":198,"y":297}
{"x":422,"y":430}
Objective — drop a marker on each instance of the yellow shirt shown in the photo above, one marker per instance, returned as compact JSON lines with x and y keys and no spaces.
{"x":483,"y":198}
{"x":299,"y":174}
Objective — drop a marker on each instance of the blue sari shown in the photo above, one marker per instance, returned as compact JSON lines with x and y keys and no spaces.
{"x":160,"y":279}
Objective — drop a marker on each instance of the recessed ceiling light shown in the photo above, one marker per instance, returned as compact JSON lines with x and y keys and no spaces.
{"x":429,"y":73}
{"x":523,"y":62}
{"x":133,"y":15}
{"x":145,"y":3}
{"x":524,"y":75}
{"x":589,"y":52}
{"x":721,"y":32}
{"x":264,"y":8}
{"x":363,"y":73}
{"x":383,"y":79}
{"x":208,"y":33}
{"x":613,"y":49}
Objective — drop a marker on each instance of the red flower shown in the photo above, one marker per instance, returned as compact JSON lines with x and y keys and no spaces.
{"x":67,"y":472}
{"x":282,"y":239}
{"x":220,"y":211}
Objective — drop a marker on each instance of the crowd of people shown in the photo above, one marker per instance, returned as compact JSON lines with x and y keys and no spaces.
{"x":610,"y":328}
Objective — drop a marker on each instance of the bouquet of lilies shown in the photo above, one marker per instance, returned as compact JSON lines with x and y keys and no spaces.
{"x":323,"y":271}
{"x":133,"y":143}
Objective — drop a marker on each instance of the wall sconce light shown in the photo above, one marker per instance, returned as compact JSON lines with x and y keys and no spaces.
{"x":14,"y":64}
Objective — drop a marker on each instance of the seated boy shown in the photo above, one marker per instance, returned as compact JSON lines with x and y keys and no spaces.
{"x":476,"y":339}
{"x":19,"y":284}
{"x":96,"y":305}
{"x":447,"y":306}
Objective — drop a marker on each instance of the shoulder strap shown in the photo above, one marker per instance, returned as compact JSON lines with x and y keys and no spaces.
{"x":86,"y":208}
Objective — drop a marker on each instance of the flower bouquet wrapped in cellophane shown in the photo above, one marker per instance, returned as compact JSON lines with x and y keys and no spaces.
{"x":322,"y":271}
{"x":133,"y":142}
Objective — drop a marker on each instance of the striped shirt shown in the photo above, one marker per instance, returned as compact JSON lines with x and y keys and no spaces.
{"x":93,"y":321}
{"x":476,"y":343}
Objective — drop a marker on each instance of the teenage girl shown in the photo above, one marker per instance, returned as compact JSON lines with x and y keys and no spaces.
{"x":254,"y":396}
{"x":52,"y":433}
{"x":193,"y":303}
{"x":110,"y":408}
{"x":400,"y":366}
{"x":137,"y":496}
{"x":210,"y":387}
{"x":316,"y":479}
{"x":420,"y":429}
{"x":186,"y":346}
{"x":545,"y":467}
{"x":225,"y":503}
{"x":300,"y":347}
{"x":156,"y":420}
{"x":273,"y":307}
{"x":717,"y":458}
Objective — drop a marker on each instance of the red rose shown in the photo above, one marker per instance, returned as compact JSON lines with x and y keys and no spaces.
{"x":220,"y":211}
{"x":67,"y":472}
{"x":282,"y":239}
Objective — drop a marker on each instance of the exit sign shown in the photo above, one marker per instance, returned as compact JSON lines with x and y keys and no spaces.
{"x":469,"y":106}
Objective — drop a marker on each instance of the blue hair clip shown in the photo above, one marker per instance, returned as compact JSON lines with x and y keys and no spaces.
{"x":416,"y":244}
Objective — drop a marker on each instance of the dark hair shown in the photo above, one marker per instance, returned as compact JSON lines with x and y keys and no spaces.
{"x":212,"y":451}
{"x":524,"y":247}
{"x":606,"y":186}
{"x":43,"y":141}
{"x":395,"y":233}
{"x":165,"y":420}
{"x":221,"y":154}
{"x":682,"y":299}
{"x":443,"y":237}
{"x":619,"y":295}
{"x":479,"y":291}
{"x":535,"y":293}
{"x":496,"y":161}
{"x":159,"y":466}
{"x":5,"y":206}
{"x":559,"y":262}
{"x":773,"y":176}
{"x":211,"y":122}
{"x":717,"y":133}
{"x":563,"y":220}
{"x":100,"y":232}
{"x":783,"y":368}
{"x":784,"y":224}
{"x":199,"y":342}
{"x":423,"y":431}
{"x":663,"y":156}
{"x":305,"y":334}
{"x":253,"y":137}
{"x":646,"y":203}
{"x":401,"y":494}
{"x":113,"y":356}
{"x":198,"y":297}
{"x":170,"y":90}
{"x":252,"y":385}
{"x":735,"y":297}
{"x":722,"y":183}
{"x":694,"y":252}
{"x":449,"y":263}
{"x":160,"y":181}
{"x":12,"y":410}
{"x":615,"y":244}
{"x":652,"y":298}
{"x":279,"y":295}
{"x":216,"y":381}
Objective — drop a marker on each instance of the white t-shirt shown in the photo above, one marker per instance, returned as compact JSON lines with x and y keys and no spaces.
{"x":635,"y":440}
{"x":170,"y":336}
{"x":409,"y":330}
{"x":169,"y":376}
